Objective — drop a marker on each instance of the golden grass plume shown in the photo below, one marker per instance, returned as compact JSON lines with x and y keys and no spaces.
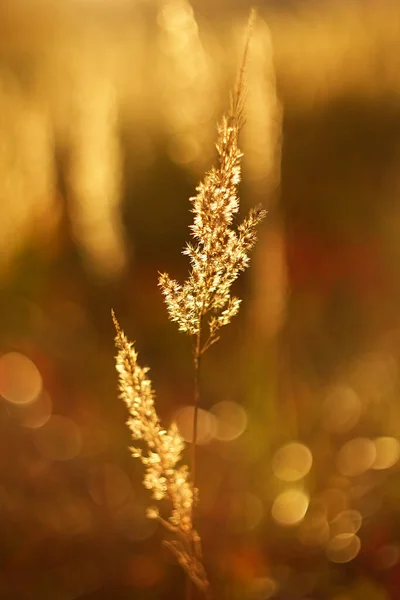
{"x":220,"y":252}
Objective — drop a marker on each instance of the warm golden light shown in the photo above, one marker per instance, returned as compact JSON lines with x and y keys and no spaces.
{"x":231,"y":420}
{"x":356,"y":456}
{"x":343,"y":548}
{"x":387,"y":452}
{"x":374,"y":374}
{"x":20,"y":380}
{"x":186,"y":83}
{"x":183,"y":149}
{"x":264,"y":588}
{"x":347,"y":521}
{"x":206,"y":424}
{"x":292,"y":462}
{"x":58,"y":439}
{"x":176,"y":15}
{"x":36,"y":413}
{"x":289,"y":507}
{"x":342,"y":409}
{"x":108,"y":118}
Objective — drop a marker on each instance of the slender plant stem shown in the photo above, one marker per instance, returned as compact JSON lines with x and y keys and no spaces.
{"x":196,"y":403}
{"x":189,"y":588}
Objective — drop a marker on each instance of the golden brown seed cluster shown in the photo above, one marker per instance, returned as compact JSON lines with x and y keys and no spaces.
{"x":220,"y":252}
{"x":163,"y":450}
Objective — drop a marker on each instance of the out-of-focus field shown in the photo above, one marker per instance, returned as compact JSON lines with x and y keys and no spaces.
{"x":108,"y":114}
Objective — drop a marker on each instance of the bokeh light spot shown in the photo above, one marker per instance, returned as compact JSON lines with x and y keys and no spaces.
{"x":289,"y":507}
{"x":388,"y":556}
{"x":58,"y":439}
{"x":347,"y":521}
{"x":292,"y":462}
{"x":20,"y":380}
{"x":183,"y":417}
{"x":356,"y":456}
{"x":35,"y":414}
{"x":231,"y":420}
{"x":263,"y":588}
{"x":343,"y":548}
{"x":374,"y":375}
{"x":387,"y":452}
{"x":342,"y":409}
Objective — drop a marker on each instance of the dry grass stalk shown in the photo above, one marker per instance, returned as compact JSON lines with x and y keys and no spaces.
{"x":220,"y":252}
{"x":163,"y":477}
{"x":201,"y":306}
{"x":204,"y":304}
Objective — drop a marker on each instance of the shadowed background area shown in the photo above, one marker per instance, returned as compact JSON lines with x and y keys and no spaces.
{"x":108,"y":113}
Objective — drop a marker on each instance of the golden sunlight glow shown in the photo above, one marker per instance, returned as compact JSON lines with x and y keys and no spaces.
{"x":109,"y":110}
{"x":348,"y":521}
{"x":290,"y":507}
{"x":261,"y":136}
{"x":26,"y":165}
{"x":356,"y":456}
{"x":184,"y":148}
{"x":36,"y":413}
{"x":341,"y":410}
{"x":292,"y":462}
{"x":263,"y":588}
{"x":387,"y":452}
{"x":374,"y":374}
{"x":93,"y":178}
{"x":231,"y":420}
{"x":206,"y":424}
{"x":343,"y":548}
{"x":186,"y":83}
{"x":58,"y":439}
{"x":20,"y":380}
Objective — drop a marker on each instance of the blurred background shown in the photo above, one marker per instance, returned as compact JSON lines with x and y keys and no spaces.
{"x":108,"y":112}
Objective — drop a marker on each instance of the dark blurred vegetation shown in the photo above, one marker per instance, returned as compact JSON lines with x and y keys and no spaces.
{"x":107,"y":117}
